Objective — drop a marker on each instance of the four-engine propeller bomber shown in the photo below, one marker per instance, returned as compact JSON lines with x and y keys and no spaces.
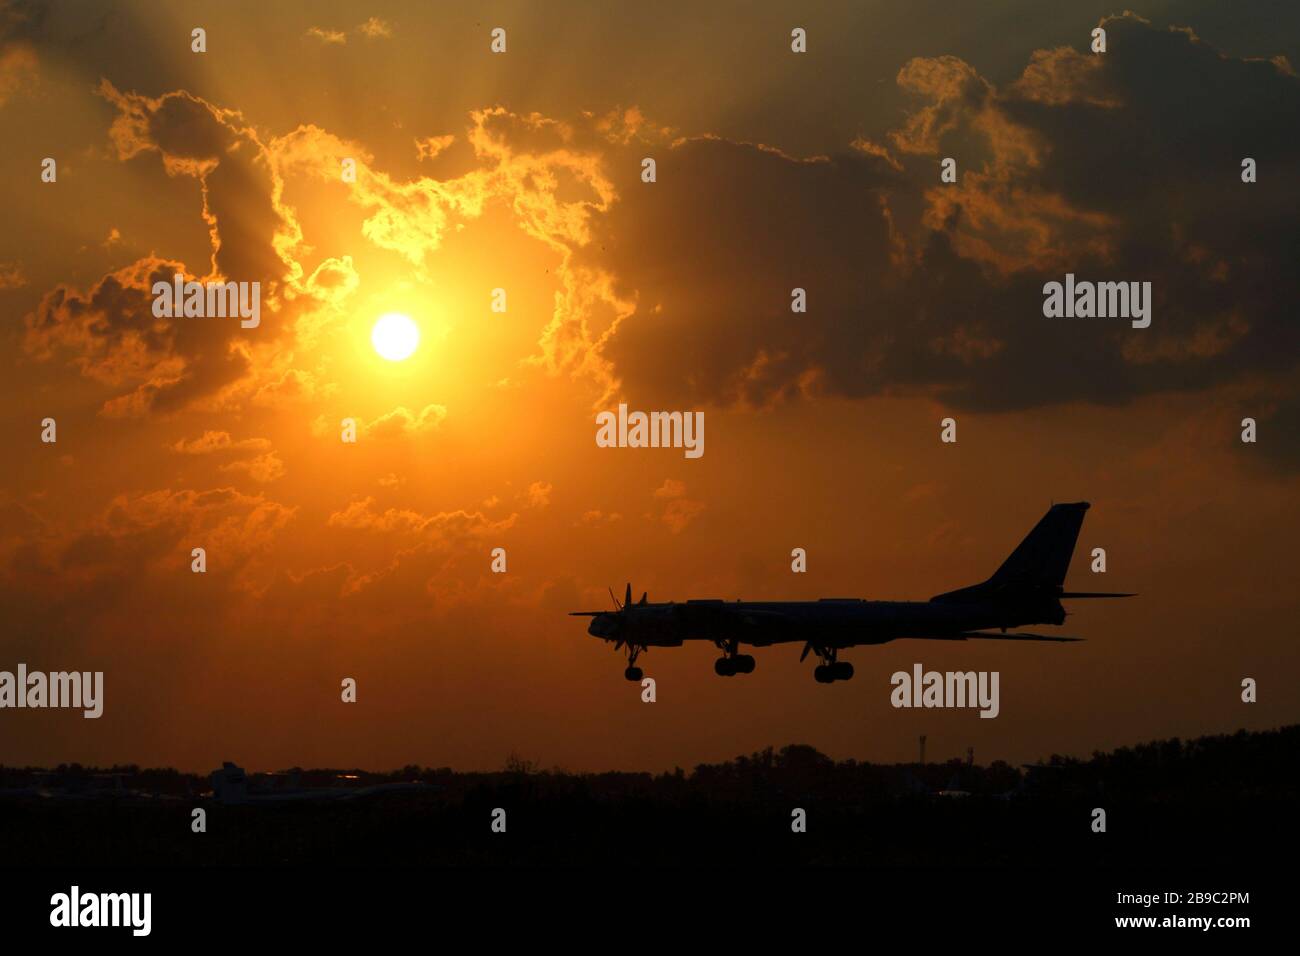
{"x":1026,"y":590}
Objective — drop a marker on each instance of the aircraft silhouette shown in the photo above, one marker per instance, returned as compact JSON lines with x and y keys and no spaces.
{"x":1027,"y":589}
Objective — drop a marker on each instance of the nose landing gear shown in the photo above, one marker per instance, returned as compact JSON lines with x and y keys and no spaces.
{"x":633,"y":673}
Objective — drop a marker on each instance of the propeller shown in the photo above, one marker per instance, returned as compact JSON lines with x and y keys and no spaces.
{"x":621,"y":632}
{"x":627,"y":598}
{"x":621,"y":608}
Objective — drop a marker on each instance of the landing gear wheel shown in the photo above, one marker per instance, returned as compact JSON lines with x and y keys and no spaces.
{"x":724,"y":667}
{"x":743,"y":663}
{"x":841,"y":670}
{"x":823,"y":673}
{"x":634,"y":673}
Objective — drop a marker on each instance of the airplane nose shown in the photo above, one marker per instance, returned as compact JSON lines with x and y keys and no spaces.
{"x":601,"y":627}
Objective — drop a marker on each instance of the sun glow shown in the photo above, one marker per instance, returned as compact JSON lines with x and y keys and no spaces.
{"x":395,"y":336}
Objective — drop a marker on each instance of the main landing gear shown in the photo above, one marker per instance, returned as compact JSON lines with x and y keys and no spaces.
{"x":829,"y":670}
{"x":829,"y":673}
{"x":731,"y":666}
{"x":732,"y":663}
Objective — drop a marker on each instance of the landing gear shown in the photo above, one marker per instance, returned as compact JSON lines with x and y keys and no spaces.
{"x":633,"y":673}
{"x":731,"y":662}
{"x":831,"y":670}
{"x":731,"y":666}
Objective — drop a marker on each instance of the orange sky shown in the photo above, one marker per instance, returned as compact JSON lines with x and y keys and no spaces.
{"x":522,"y":171}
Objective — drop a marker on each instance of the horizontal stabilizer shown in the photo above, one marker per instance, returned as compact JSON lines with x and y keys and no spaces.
{"x":1020,"y":637}
{"x":979,"y":635}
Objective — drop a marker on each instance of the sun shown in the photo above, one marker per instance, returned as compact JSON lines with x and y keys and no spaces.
{"x":395,"y":336}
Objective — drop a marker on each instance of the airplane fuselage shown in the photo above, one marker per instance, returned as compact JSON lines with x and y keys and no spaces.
{"x":829,"y":622}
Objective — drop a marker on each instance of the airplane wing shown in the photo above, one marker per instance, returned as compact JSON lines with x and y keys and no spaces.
{"x":980,"y":635}
{"x":742,"y":614}
{"x":717,"y":614}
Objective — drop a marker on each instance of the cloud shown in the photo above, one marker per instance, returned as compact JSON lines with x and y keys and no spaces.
{"x":211,"y":442}
{"x":262,"y":468}
{"x":681,"y":327}
{"x":677,"y":511}
{"x":252,"y":233}
{"x":139,"y":535}
{"x":401,"y":422}
{"x":227,"y":520}
{"x":372,"y":29}
{"x":376,"y":29}
{"x":539,"y":494}
{"x":409,"y":218}
{"x":595,"y":518}
{"x":11,"y":276}
{"x":327,"y":37}
{"x":160,"y":367}
{"x":671,"y":488}
{"x":18,"y":69}
{"x":916,"y":287}
{"x":444,"y":529}
{"x":111,"y":336}
{"x":429,"y":147}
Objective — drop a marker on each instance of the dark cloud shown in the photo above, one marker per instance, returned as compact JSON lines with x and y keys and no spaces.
{"x":711,"y":252}
{"x":1123,"y":166}
{"x":111,"y":336}
{"x":109,"y":331}
{"x":239,"y":189}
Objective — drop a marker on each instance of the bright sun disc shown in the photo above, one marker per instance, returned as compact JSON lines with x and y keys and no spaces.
{"x":395,"y":336}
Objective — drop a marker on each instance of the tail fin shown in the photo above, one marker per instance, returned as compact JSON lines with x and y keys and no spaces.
{"x":1043,"y":558}
{"x":1039,"y":563}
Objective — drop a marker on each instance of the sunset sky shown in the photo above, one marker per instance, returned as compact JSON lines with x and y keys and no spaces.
{"x":522,"y":171}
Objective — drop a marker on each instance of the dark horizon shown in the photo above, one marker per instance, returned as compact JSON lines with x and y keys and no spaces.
{"x":736,"y":812}
{"x":515,"y":762}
